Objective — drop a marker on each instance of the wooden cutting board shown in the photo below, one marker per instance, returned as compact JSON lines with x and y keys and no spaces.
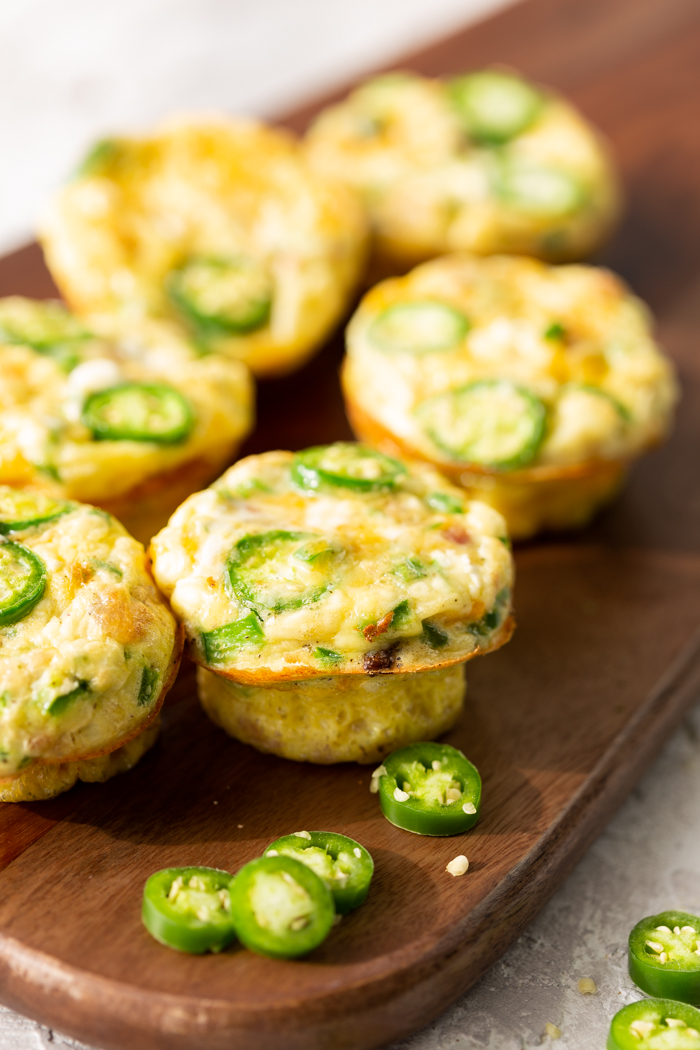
{"x":561,"y":723}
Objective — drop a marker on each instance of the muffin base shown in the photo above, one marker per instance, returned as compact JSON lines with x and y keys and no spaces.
{"x":46,"y":781}
{"x":540,"y":499}
{"x":358,"y":718}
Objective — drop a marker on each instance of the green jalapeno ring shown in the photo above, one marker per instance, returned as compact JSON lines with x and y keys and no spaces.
{"x":23,"y":579}
{"x":189,"y":909}
{"x":494,"y":106}
{"x":222,"y":296}
{"x":418,"y":327}
{"x":48,"y":328}
{"x":255,"y":581}
{"x":429,"y":789}
{"x":281,"y":907}
{"x":21,"y":510}
{"x":139,"y":412}
{"x":550,"y":193}
{"x":639,"y":1025}
{"x":345,"y":867}
{"x":664,"y":956}
{"x":494,"y":423}
{"x":345,"y":465}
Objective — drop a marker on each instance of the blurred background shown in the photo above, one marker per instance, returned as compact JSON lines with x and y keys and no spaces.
{"x":75,"y":70}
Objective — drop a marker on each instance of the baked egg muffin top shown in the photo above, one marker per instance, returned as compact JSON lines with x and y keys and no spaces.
{"x":93,"y":417}
{"x":337,"y":560}
{"x":485,"y":162}
{"x":506,"y":363}
{"x":87,"y":644}
{"x":217,"y":224}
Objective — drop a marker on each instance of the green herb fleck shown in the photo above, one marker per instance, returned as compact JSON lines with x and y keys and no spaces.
{"x":221,"y":644}
{"x":434,"y":636}
{"x":327,"y":656}
{"x":555,"y":332}
{"x":60,"y":704}
{"x":147,"y":689}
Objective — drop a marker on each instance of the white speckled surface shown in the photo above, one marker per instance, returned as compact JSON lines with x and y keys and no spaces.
{"x":94,"y":67}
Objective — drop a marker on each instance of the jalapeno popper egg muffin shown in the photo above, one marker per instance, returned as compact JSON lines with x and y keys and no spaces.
{"x":88,"y":647}
{"x":134,"y":423}
{"x":486,"y":162}
{"x":218,"y":225}
{"x":331,"y":598}
{"x":531,"y":386}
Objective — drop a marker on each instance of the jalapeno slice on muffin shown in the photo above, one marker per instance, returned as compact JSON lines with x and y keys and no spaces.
{"x":418,"y":328}
{"x":281,"y":907}
{"x":222,"y":295}
{"x":21,"y":509}
{"x":139,"y":412}
{"x":22,"y":581}
{"x":331,"y":598}
{"x":345,"y":465}
{"x":189,"y":909}
{"x":664,"y":956}
{"x":495,"y":106}
{"x":430,"y":789}
{"x":553,"y":389}
{"x":135,"y":421}
{"x":217,"y":227}
{"x":343,"y":865}
{"x":653,"y":1023}
{"x":484,"y":162}
{"x":88,"y":648}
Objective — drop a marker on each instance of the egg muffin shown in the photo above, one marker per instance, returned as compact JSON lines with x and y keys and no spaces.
{"x":485,"y":162}
{"x":531,"y":386}
{"x":88,"y":646}
{"x":133,"y":422}
{"x":217,"y":225}
{"x":332,"y":597}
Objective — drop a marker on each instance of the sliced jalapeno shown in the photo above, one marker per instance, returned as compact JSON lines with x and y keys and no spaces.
{"x":221,"y":644}
{"x":47,"y":327}
{"x":22,"y":582}
{"x":345,"y":465}
{"x":58,"y":705}
{"x":495,"y":107}
{"x":280,"y":907}
{"x":655,"y":1024}
{"x":20,"y":510}
{"x":189,"y":909}
{"x":222,"y":295}
{"x":548,"y":192}
{"x":444,"y":503}
{"x":99,"y":159}
{"x":344,"y":866}
{"x":139,"y":412}
{"x":491,"y":422}
{"x":430,"y":789}
{"x":278,"y":570}
{"x":664,"y":956}
{"x":418,"y":327}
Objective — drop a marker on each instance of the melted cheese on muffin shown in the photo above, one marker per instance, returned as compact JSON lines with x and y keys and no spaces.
{"x":434,"y":180}
{"x":570,"y":343}
{"x":200,"y":211}
{"x":84,"y":669}
{"x":277,"y":575}
{"x":52,"y":366}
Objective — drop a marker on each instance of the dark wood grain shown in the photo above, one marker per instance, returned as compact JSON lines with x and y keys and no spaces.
{"x":561,"y":723}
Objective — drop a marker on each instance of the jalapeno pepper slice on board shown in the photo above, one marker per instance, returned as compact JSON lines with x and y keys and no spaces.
{"x":655,"y":1024}
{"x":494,"y":107}
{"x":418,"y":327}
{"x":139,"y":412}
{"x":492,"y":422}
{"x":430,"y":789}
{"x":222,"y":295}
{"x":344,"y":866}
{"x":345,"y":465}
{"x":22,"y":581}
{"x":279,"y":570}
{"x":280,"y":907}
{"x":20,"y":510}
{"x":189,"y":909}
{"x":664,"y":956}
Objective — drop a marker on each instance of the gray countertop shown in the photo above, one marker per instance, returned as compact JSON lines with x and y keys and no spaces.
{"x":72,"y":71}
